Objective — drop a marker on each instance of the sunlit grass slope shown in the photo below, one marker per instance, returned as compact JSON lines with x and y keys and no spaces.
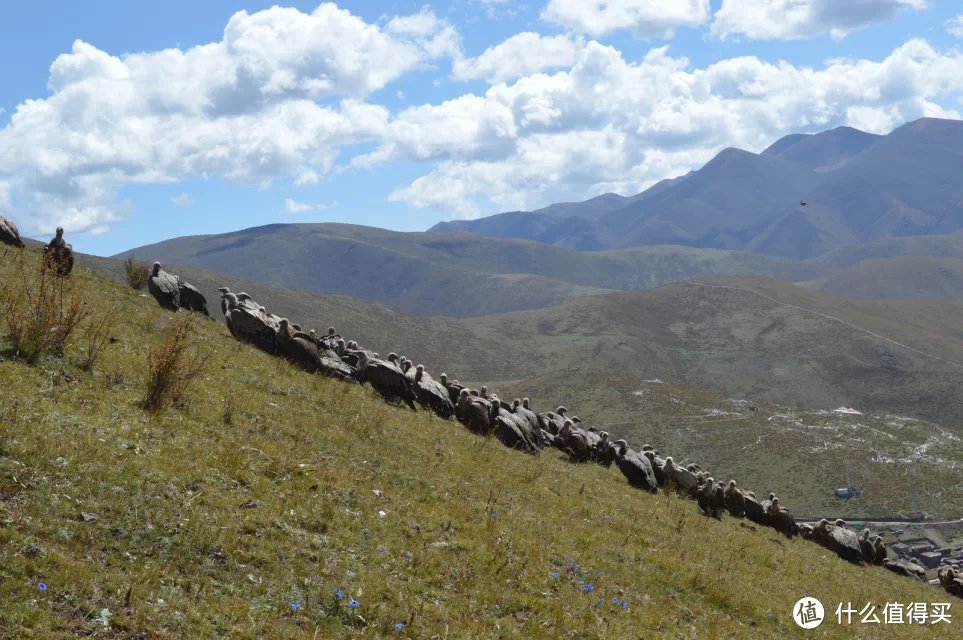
{"x":248,"y":511}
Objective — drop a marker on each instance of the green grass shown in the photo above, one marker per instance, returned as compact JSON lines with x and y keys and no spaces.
{"x":264,"y":488}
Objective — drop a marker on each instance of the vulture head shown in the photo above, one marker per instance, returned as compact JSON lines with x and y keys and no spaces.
{"x":155,"y":269}
{"x":419,"y":372}
{"x":561,"y":411}
{"x":231,"y":300}
{"x":223,"y":290}
{"x":443,"y":378}
{"x":331,"y":331}
{"x":525,"y":403}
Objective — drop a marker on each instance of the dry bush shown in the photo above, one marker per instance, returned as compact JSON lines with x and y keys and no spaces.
{"x":39,"y":312}
{"x":172,"y":367}
{"x":97,"y":335}
{"x":137,"y":273}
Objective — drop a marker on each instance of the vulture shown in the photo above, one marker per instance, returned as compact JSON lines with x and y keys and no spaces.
{"x":431,"y":394}
{"x":473,"y":412}
{"x":387,"y":379}
{"x":9,"y":233}
{"x":735,"y":500}
{"x":191,"y":298}
{"x":952,"y":580}
{"x":336,"y":368}
{"x":223,"y":291}
{"x":636,"y":469}
{"x":837,"y":539}
{"x":510,"y":429}
{"x":58,"y":254}
{"x":908,"y":569}
{"x":678,"y":477}
{"x":250,"y":325}
{"x":572,"y":441}
{"x":782,"y":521}
{"x":754,"y":511}
{"x":604,"y":453}
{"x":163,"y":287}
{"x":657,"y":468}
{"x":867,"y":548}
{"x":295,"y":348}
{"x":454,"y":388}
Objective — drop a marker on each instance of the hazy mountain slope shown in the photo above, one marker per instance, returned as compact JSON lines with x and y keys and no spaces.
{"x":941,"y":246}
{"x":714,"y":206}
{"x":245,"y":510}
{"x":454,"y":274}
{"x":900,"y":277}
{"x":800,"y":452}
{"x":858,"y":187}
{"x":755,"y":338}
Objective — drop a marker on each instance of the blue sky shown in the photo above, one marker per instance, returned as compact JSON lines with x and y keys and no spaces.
{"x":128,"y":123}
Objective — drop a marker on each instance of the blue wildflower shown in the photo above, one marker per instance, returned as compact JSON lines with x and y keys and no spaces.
{"x":399,"y":626}
{"x":407,"y":556}
{"x":339,"y":594}
{"x":295,"y":606}
{"x":598,"y":602}
{"x":624,"y":605}
{"x":588,"y":588}
{"x":42,"y":586}
{"x":353,"y":603}
{"x":555,"y":574}
{"x":615,"y":600}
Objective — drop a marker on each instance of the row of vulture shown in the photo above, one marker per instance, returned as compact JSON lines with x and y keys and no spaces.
{"x":518,"y":426}
{"x":57,"y":254}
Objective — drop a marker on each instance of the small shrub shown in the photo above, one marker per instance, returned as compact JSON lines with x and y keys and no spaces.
{"x":137,"y":273}
{"x":39,"y":312}
{"x":97,"y":336}
{"x":171,"y":368}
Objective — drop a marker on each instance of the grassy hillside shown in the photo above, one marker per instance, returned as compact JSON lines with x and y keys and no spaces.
{"x":802,"y":453}
{"x":451,"y":274}
{"x":247,"y":510}
{"x":936,"y":246}
{"x":899,"y":277}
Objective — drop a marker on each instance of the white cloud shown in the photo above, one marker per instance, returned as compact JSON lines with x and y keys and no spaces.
{"x":521,"y":55}
{"x":955,"y":26}
{"x":183,"y":200}
{"x":293,"y":206}
{"x":278,"y":95}
{"x":646,"y":18}
{"x":611,"y":124}
{"x":797,"y":19}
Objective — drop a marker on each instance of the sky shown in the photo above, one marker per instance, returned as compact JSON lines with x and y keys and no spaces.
{"x":130,"y":123}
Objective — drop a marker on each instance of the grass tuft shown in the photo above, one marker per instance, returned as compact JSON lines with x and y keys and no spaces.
{"x":39,"y":310}
{"x":137,"y":273}
{"x":172,"y":367}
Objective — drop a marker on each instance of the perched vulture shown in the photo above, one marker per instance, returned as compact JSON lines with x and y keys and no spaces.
{"x":300,"y":352}
{"x":387,"y":379}
{"x":191,"y":298}
{"x":250,"y":325}
{"x":636,"y":469}
{"x":163,"y":287}
{"x":431,"y":394}
{"x":9,"y":233}
{"x":58,"y":254}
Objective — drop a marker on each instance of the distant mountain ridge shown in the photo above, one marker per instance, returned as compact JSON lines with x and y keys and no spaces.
{"x":857,"y":187}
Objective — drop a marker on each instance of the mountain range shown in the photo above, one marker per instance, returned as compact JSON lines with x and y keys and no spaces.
{"x":803,"y":196}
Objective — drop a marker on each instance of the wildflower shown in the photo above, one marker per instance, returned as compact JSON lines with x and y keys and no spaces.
{"x":615,"y":600}
{"x":353,"y":603}
{"x":588,"y":588}
{"x":555,"y":574}
{"x":42,"y":586}
{"x":338,"y":594}
{"x":598,"y":602}
{"x":399,"y":626}
{"x":624,"y":605}
{"x":295,"y":606}
{"x":407,"y":556}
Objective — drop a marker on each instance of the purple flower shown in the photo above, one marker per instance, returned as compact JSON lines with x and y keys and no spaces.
{"x":624,"y":605}
{"x":588,"y":588}
{"x":555,"y":574}
{"x":399,"y":626}
{"x":338,"y":594}
{"x":353,"y":603}
{"x":42,"y":586}
{"x":615,"y":600}
{"x":295,"y":606}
